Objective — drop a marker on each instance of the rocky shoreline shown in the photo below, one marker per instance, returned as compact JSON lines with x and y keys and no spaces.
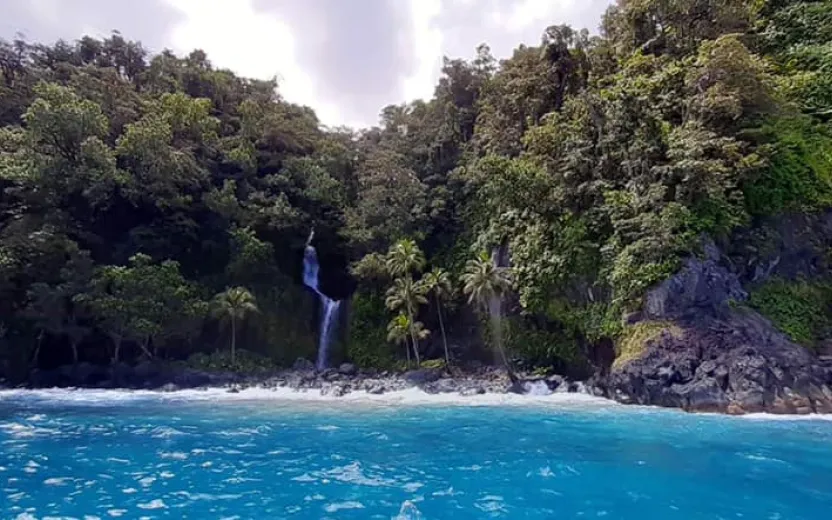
{"x":681,"y":382}
{"x":303,"y":377}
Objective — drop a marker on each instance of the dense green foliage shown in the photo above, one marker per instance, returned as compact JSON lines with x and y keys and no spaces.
{"x":136,"y":187}
{"x":799,"y":308}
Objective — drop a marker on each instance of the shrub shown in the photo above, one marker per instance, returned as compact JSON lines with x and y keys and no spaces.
{"x":798,"y":308}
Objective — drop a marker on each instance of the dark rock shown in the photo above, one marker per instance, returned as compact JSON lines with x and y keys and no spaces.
{"x":303,"y":365}
{"x":233,"y":390}
{"x":704,"y":395}
{"x":422,"y":376}
{"x":348,"y":369}
{"x":335,"y":390}
{"x":376,"y":389}
{"x":734,"y":363}
{"x":146,"y":370}
{"x":555,"y":382}
{"x":442,"y":386}
{"x":330,"y":375}
{"x":724,"y":359}
{"x":701,"y":286}
{"x":169,"y":387}
{"x":122,"y":375}
{"x":190,"y":378}
{"x":43,"y":378}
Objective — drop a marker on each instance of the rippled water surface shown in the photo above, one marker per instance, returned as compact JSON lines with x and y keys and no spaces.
{"x":104,"y":455}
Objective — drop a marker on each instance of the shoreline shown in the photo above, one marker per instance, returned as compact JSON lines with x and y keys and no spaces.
{"x":489,"y":385}
{"x":560,"y":402}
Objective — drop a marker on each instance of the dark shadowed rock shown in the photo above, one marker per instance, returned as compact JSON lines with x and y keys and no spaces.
{"x":303,"y":365}
{"x":348,"y":369}
{"x":190,"y":378}
{"x":121,"y":374}
{"x":734,"y":363}
{"x":422,"y":376}
{"x":443,"y":386}
{"x":725,"y":359}
{"x":701,"y":286}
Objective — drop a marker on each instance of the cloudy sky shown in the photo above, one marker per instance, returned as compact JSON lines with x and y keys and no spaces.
{"x":344,"y":58}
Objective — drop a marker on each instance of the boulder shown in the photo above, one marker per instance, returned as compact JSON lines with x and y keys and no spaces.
{"x":442,"y":386}
{"x":422,"y":376}
{"x":303,"y":365}
{"x":348,"y":369}
{"x":190,"y":378}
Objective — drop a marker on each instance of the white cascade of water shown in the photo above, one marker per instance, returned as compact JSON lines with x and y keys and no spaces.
{"x":330,"y":306}
{"x":536,"y":388}
{"x":327,"y":329}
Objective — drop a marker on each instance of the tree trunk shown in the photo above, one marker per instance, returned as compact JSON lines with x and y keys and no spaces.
{"x":117,"y":348}
{"x":407,"y":350}
{"x":144,"y":348}
{"x":233,"y":340}
{"x":413,"y":337}
{"x":36,"y":357}
{"x":444,"y":338}
{"x":495,"y":318}
{"x":74,"y":346}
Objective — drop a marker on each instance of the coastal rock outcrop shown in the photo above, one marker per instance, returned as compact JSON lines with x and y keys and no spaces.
{"x":703,"y":352}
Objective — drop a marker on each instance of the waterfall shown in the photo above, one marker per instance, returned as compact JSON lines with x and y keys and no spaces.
{"x":327,"y":328}
{"x":330,"y":307}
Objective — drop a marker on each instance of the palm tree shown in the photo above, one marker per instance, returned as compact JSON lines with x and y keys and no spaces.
{"x":233,"y":304}
{"x":438,"y":281}
{"x":407,"y":295}
{"x":485,"y":283}
{"x":398,"y":330}
{"x":404,"y":258}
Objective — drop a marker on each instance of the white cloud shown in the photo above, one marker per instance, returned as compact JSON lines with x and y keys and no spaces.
{"x":252,"y":44}
{"x":46,"y":10}
{"x":261,"y":44}
{"x":427,"y":44}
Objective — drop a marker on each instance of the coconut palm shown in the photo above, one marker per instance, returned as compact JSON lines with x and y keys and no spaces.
{"x":485,"y":284}
{"x":404,"y":258}
{"x":407,"y":295}
{"x":438,"y":282}
{"x":398,"y":330}
{"x":233,"y":304}
{"x":483,"y":281}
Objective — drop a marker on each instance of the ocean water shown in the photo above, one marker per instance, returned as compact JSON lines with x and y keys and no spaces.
{"x":260,"y":455}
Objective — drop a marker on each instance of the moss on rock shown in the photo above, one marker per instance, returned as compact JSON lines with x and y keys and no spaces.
{"x":633,"y":342}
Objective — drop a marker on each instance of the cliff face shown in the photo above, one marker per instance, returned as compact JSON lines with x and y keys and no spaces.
{"x":702,"y":349}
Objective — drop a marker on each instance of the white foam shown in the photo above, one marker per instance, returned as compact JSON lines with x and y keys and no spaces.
{"x":153,"y":504}
{"x":782,"y":417}
{"x":338,"y":506}
{"x":409,"y":396}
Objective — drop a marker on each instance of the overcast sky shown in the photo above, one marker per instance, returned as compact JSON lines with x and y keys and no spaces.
{"x":345,"y":58}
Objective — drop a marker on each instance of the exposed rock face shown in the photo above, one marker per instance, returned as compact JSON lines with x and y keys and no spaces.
{"x":725,"y":360}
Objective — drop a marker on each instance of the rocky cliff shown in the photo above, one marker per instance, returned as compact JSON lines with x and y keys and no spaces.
{"x":698,"y":347}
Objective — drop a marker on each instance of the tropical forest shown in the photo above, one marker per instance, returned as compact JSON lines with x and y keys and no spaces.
{"x":156,"y":207}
